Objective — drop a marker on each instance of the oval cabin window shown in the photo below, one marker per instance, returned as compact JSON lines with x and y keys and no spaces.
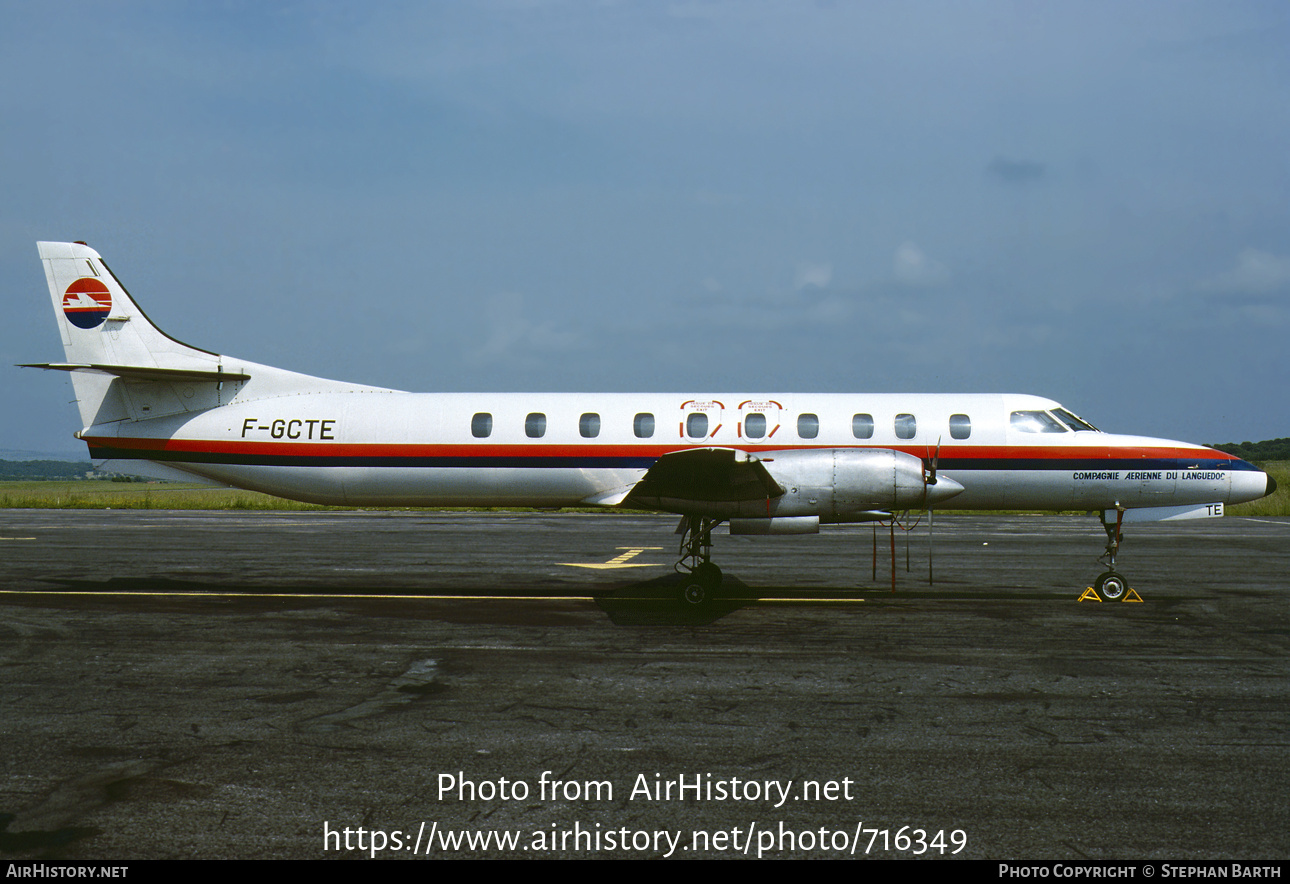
{"x":643,"y":425}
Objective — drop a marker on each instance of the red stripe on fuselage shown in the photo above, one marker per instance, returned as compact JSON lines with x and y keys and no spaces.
{"x":468,"y":449}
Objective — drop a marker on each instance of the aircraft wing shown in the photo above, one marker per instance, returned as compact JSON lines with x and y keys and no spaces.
{"x":709,"y":475}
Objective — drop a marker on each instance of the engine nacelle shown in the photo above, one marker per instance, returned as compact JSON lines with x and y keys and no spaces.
{"x":848,"y":484}
{"x":824,"y":484}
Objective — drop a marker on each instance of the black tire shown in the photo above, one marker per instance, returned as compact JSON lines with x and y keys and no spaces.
{"x":700,"y":585}
{"x":1111,"y":586}
{"x":694,"y":593}
{"x":708,"y":574}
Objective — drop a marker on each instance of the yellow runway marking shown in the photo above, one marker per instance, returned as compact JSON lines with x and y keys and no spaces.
{"x":618,"y":561}
{"x":296,"y":595}
{"x":779,"y":601}
{"x":374,"y":596}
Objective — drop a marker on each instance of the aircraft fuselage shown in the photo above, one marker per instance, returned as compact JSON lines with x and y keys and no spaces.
{"x":371,"y":448}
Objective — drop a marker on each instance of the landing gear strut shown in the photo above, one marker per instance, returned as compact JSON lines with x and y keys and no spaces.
{"x":1110,"y":584}
{"x":702,"y":578}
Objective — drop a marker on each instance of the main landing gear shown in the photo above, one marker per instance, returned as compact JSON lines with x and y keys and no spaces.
{"x":1110,"y":584}
{"x":702,"y":578}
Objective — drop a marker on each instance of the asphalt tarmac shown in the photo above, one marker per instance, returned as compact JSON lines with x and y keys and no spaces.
{"x":314,"y":685}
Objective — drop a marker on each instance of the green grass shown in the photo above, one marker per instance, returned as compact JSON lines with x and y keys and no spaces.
{"x":102,"y":494}
{"x":95,"y":494}
{"x":1275,"y":504}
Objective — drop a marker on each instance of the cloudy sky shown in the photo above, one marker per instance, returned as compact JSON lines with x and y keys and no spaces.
{"x":1087,"y":201}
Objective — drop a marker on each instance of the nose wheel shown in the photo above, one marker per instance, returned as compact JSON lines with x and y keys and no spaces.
{"x":1111,"y":586}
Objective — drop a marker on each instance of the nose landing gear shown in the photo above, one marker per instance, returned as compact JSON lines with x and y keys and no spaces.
{"x":1111,"y":584}
{"x":702,"y":577}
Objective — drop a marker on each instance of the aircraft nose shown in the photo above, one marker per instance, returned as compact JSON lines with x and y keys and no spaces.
{"x":944,"y":489}
{"x":1251,"y":483}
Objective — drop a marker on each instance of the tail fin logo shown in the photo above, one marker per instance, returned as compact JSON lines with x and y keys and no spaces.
{"x":87,"y":303}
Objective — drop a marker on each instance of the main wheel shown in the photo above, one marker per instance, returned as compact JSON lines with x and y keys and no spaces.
{"x":1111,"y":585}
{"x":701,"y":584}
{"x":708,"y":574}
{"x":694,"y":593}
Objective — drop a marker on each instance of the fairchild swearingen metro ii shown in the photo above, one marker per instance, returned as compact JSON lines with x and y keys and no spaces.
{"x":764,"y":463}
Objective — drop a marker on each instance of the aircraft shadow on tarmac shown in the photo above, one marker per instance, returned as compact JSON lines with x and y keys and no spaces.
{"x":657,"y":602}
{"x":653,"y":602}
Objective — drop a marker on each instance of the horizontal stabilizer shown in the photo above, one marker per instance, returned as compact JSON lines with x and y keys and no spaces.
{"x":143,"y":372}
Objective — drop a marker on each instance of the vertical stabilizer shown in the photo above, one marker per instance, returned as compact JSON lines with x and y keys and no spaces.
{"x":99,"y":321}
{"x":111,"y":344}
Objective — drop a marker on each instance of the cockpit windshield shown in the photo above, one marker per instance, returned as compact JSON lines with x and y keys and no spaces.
{"x":1075,"y":423}
{"x":1036,"y":422}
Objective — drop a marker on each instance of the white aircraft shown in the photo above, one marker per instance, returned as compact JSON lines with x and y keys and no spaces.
{"x":766,"y":464}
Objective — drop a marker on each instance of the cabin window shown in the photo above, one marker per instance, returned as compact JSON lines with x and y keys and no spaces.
{"x":862,"y":426}
{"x":808,"y":426}
{"x":755,"y":426}
{"x":906,"y":426}
{"x":589,"y":425}
{"x":960,"y":426}
{"x":1035,"y":422}
{"x":535,"y":425}
{"x":643,"y":425}
{"x":696,"y":425}
{"x":481,"y":425}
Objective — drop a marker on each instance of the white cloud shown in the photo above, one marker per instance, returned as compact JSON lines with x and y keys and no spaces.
{"x":512,"y":337}
{"x":912,"y":267}
{"x":813,"y":273}
{"x":1255,"y":273}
